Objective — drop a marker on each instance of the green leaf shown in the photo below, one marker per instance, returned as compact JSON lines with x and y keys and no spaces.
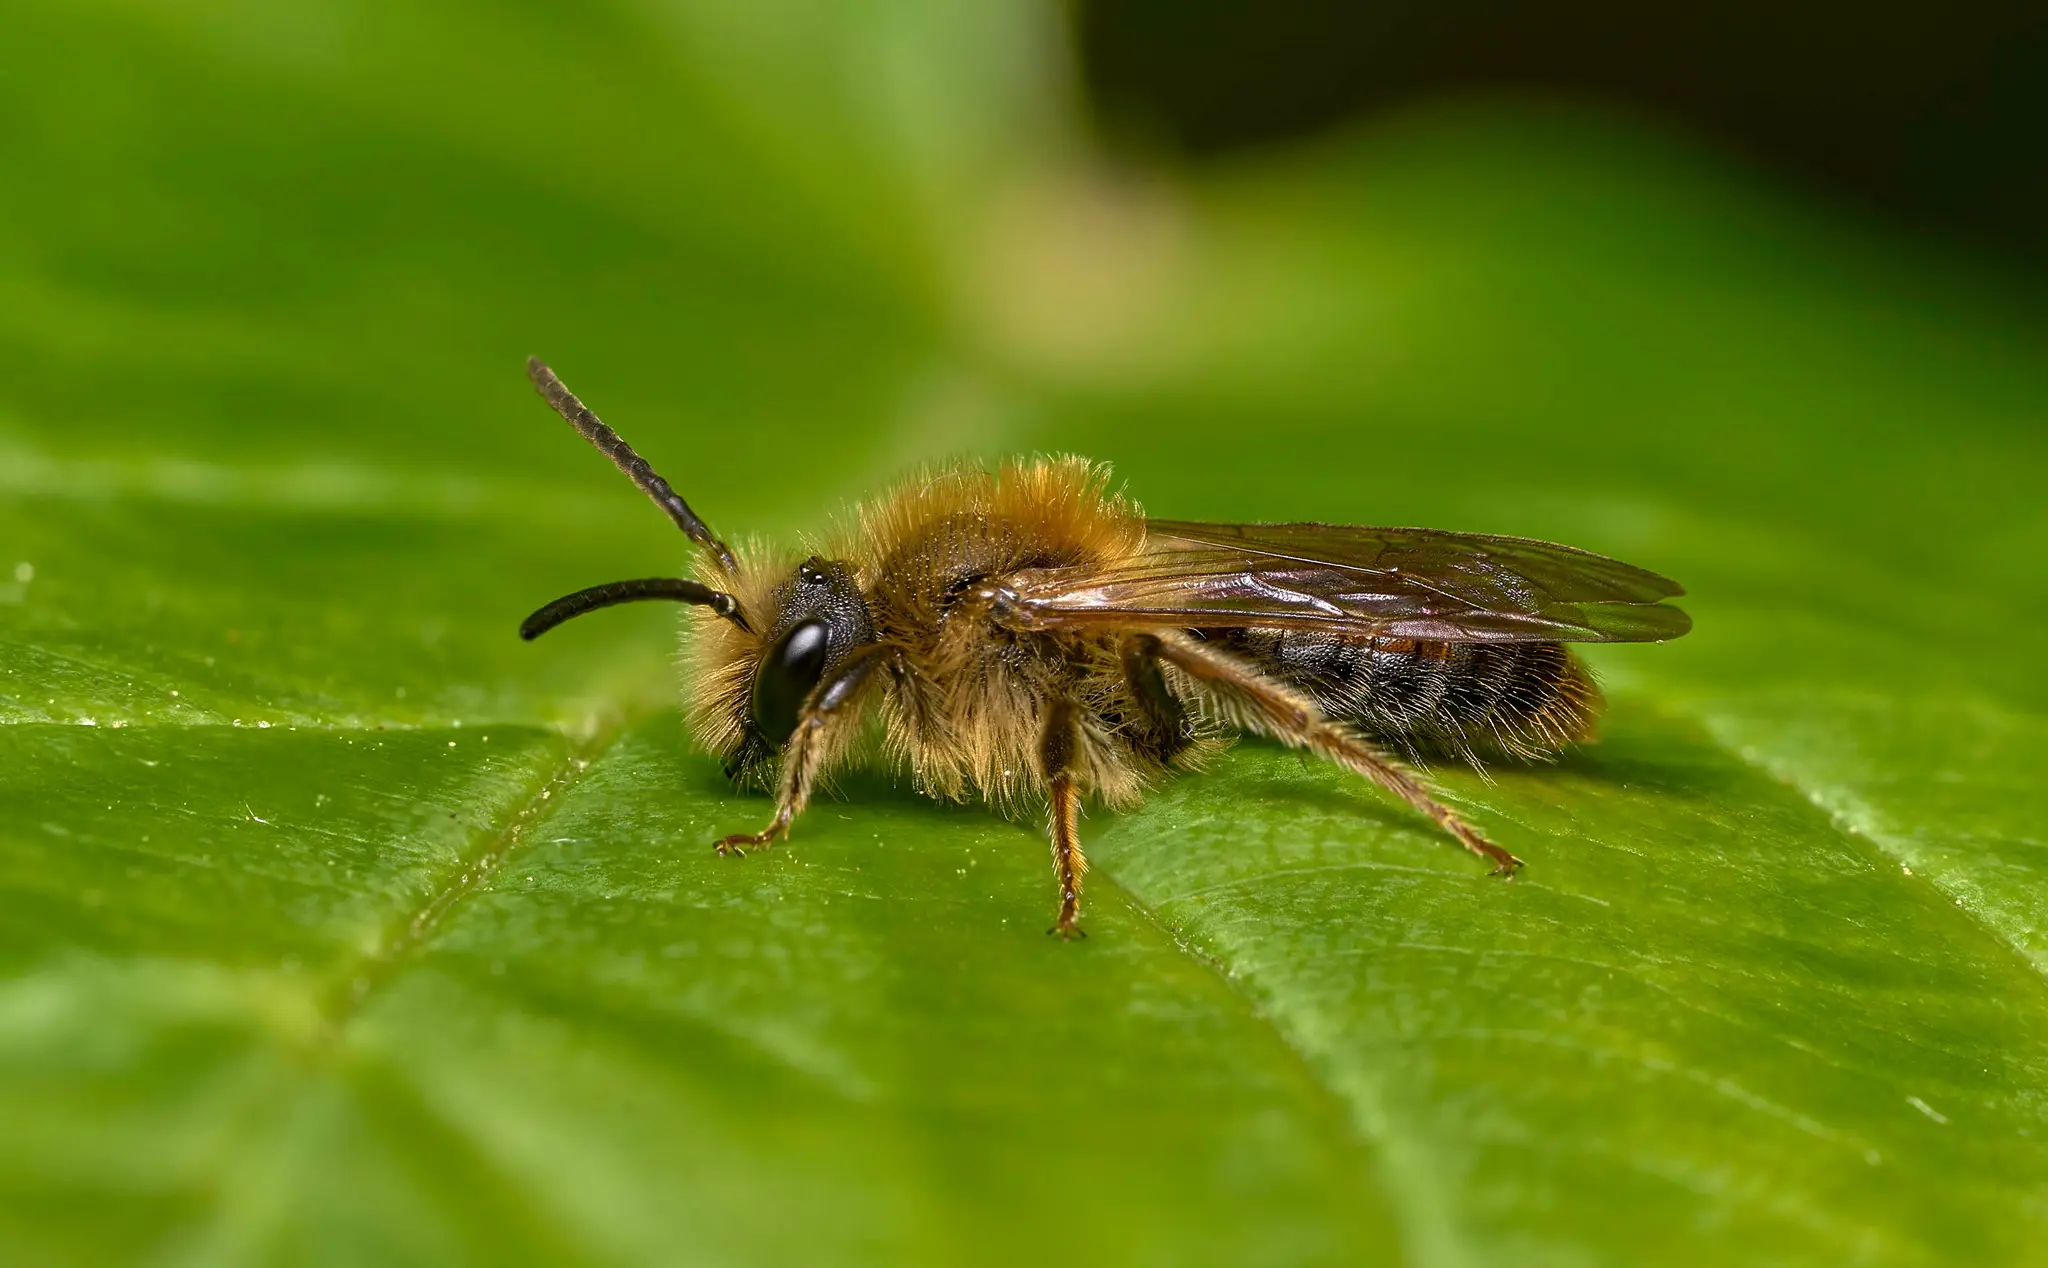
{"x":337,"y":925}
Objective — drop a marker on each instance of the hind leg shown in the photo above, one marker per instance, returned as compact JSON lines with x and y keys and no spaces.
{"x":1278,"y":710}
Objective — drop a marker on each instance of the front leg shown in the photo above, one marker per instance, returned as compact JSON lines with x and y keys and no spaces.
{"x":1058,"y":746}
{"x":828,"y":716}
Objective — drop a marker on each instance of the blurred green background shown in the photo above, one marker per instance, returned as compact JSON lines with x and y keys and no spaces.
{"x":338,"y":926}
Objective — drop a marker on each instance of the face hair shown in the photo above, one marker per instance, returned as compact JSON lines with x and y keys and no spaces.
{"x":612,"y":593}
{"x":614,"y":446}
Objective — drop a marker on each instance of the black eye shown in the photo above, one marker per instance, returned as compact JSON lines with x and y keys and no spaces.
{"x":791,"y":668}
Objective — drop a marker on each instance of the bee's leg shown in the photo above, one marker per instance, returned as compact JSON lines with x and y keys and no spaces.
{"x":1293,"y":719}
{"x":1161,"y":709}
{"x":1058,"y":745}
{"x":828,"y":717}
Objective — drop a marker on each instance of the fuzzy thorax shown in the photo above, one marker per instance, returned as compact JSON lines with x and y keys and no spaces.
{"x":963,"y":704}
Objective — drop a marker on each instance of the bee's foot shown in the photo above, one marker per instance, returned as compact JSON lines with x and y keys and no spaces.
{"x":1506,"y":865}
{"x":1067,"y":931}
{"x":740,"y":842}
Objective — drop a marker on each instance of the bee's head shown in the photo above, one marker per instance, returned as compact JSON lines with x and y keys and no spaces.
{"x":768,"y":636}
{"x":748,"y":683}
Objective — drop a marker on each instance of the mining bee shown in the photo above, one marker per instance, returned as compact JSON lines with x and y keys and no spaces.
{"x":1029,"y":637}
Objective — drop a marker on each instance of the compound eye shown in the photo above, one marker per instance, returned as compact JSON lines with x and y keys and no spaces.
{"x":794,"y":664}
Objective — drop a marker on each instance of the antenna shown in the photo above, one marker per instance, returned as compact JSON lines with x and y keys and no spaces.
{"x":613,"y":593}
{"x":614,"y":446}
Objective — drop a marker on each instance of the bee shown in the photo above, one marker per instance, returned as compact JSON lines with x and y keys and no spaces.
{"x":1029,"y":637}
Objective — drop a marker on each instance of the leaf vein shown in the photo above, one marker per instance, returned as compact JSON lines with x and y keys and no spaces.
{"x":1361,"y":1106}
{"x":353,"y":987}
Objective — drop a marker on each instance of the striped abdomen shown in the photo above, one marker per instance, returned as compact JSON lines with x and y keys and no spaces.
{"x":1469,"y":701}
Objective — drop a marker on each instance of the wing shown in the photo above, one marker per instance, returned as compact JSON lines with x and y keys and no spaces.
{"x":1376,"y":582}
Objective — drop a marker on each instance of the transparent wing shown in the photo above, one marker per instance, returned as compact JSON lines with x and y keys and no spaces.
{"x":1378,"y":582}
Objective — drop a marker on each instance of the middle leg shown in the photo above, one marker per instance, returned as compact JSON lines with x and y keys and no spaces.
{"x":1058,"y":745}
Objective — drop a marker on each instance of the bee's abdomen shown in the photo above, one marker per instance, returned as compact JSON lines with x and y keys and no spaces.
{"x":1465,"y":700}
